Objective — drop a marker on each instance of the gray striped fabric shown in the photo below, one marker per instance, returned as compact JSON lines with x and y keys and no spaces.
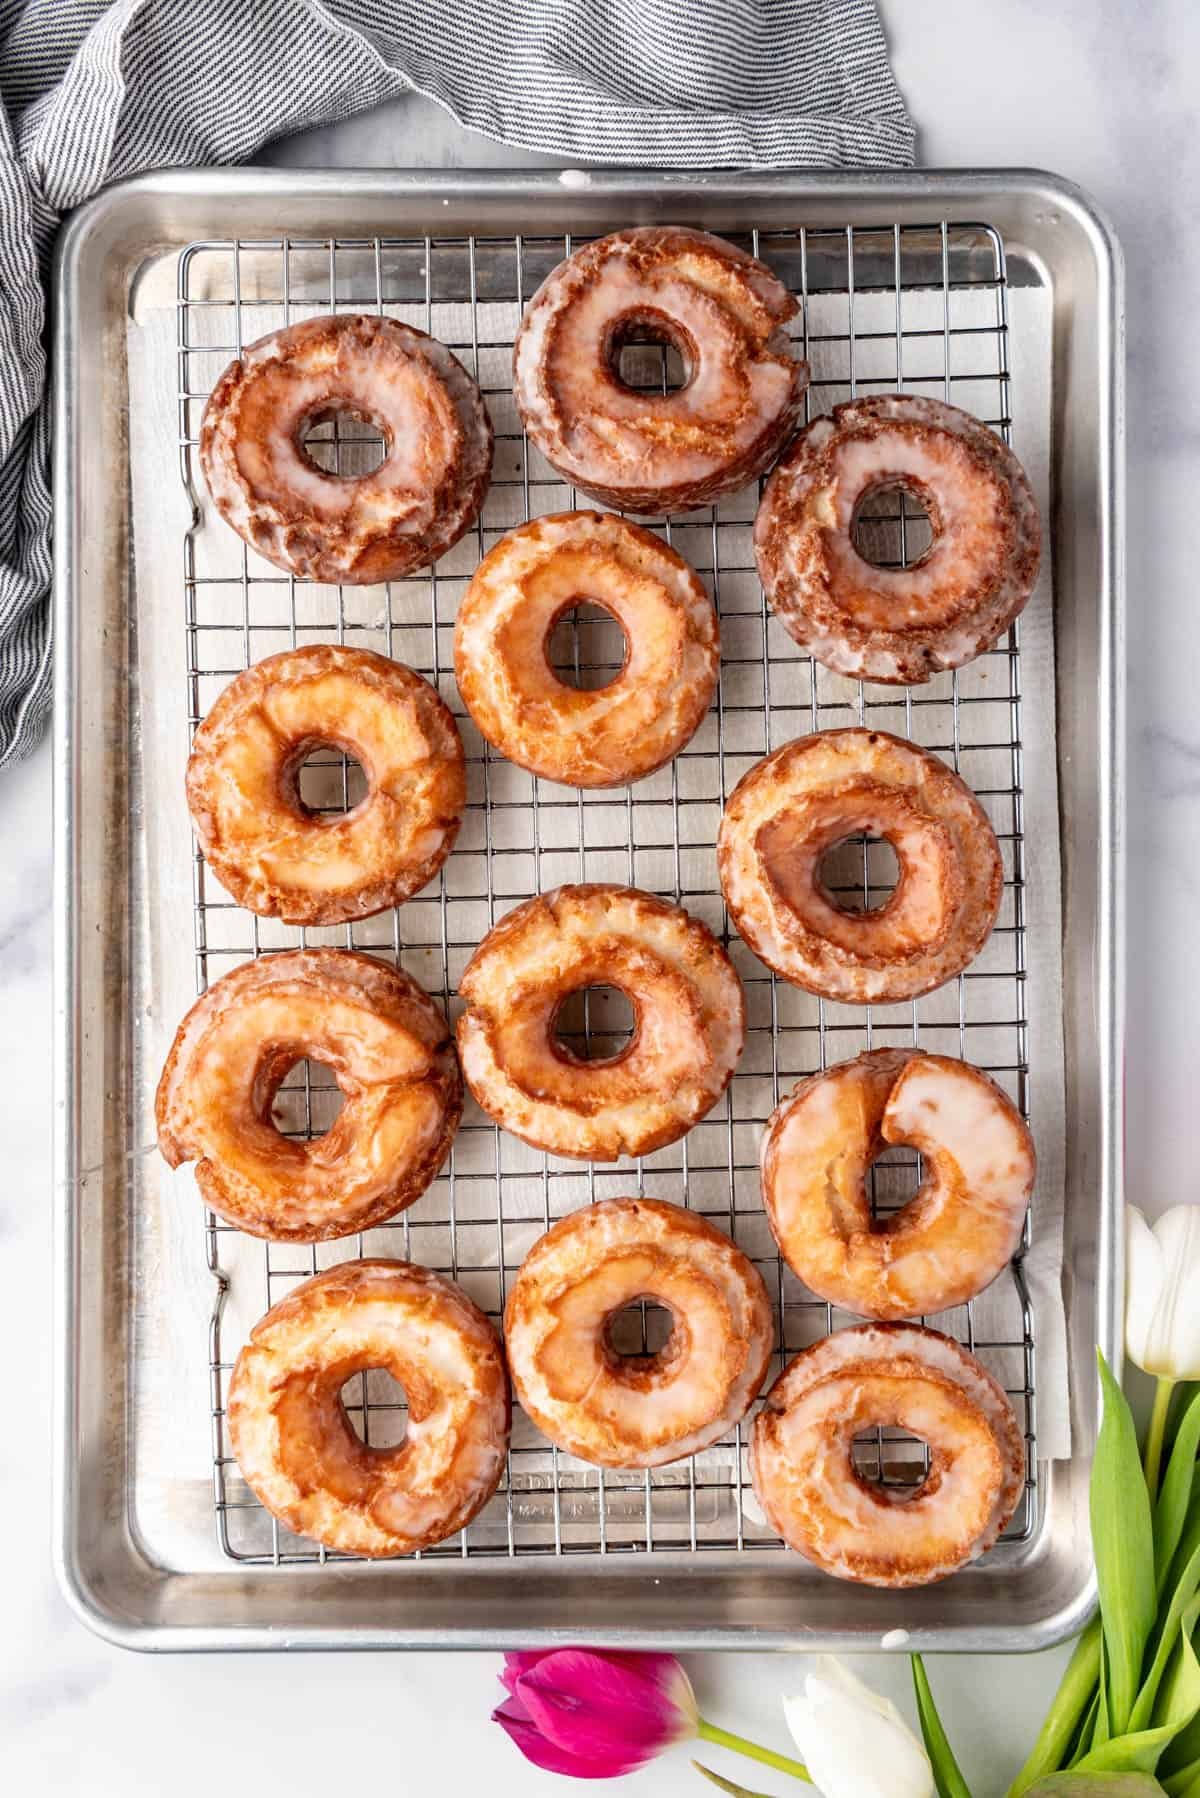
{"x":94,"y":89}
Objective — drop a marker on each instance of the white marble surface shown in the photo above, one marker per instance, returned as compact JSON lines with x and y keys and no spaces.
{"x":1104,"y":92}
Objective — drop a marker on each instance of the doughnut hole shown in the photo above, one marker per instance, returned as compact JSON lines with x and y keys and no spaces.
{"x":859,"y":874}
{"x":341,"y":441}
{"x":650,"y":353}
{"x":892,"y":1181}
{"x":586,"y":647}
{"x":891,"y":1458}
{"x":638,"y":1337}
{"x":329,"y":782}
{"x":893,"y":525}
{"x":308,"y":1101}
{"x":594,"y":1023}
{"x":376,"y":1407}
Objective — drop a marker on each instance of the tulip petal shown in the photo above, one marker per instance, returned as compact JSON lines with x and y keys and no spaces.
{"x":1174,"y":1343}
{"x":514,"y":1721}
{"x":516,"y":1664}
{"x":610,"y":1708}
{"x":1143,"y":1283}
{"x":852,"y":1740}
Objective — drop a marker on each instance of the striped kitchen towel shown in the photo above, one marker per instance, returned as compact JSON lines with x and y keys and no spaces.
{"x":94,"y":89}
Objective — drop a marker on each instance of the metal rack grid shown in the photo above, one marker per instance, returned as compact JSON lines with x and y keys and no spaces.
{"x":921,"y":308}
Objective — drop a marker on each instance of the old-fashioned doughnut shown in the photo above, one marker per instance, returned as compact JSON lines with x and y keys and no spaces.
{"x":647,"y":452}
{"x":688,"y":1034}
{"x":796,"y":804}
{"x":898,"y":625}
{"x":295,"y":1444}
{"x":273,"y":854}
{"x":644,"y":716}
{"x":426,"y":492}
{"x":641,"y":1410}
{"x":899,"y":1377}
{"x":953,"y":1237}
{"x":390,"y":1050}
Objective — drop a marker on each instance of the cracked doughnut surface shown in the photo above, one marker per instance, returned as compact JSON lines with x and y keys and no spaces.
{"x":294,"y":1442}
{"x":953,"y":1237}
{"x":425,"y":493}
{"x":688,"y":1034}
{"x":391,"y":1052}
{"x":898,"y":625}
{"x":887,"y":1376}
{"x":650,"y":452}
{"x":791,"y":808}
{"x":272,"y":853}
{"x":636,"y":1411}
{"x":608,"y":735}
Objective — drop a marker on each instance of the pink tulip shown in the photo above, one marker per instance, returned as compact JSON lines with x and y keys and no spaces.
{"x":595,"y":1715}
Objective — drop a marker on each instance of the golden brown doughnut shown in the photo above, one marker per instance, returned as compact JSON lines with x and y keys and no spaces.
{"x":296,"y":1447}
{"x":794,"y":805}
{"x":721,"y":309}
{"x":898,"y":625}
{"x":688,"y":1035}
{"x":636,"y":1411}
{"x":426,"y":492}
{"x":390,"y":1050}
{"x":267,"y":849}
{"x":646,"y":714}
{"x":958,"y":1231}
{"x":887,"y":1376}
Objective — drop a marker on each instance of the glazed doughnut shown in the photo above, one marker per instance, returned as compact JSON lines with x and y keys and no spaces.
{"x":389,"y":1048}
{"x":267,"y":849}
{"x":794,"y":805}
{"x":636,"y":1411}
{"x":898,"y":625}
{"x":296,"y":1447}
{"x":887,"y":1376}
{"x":952,"y":1238}
{"x":426,"y":492}
{"x":689,"y":1022}
{"x":646,"y":714}
{"x":721,"y":309}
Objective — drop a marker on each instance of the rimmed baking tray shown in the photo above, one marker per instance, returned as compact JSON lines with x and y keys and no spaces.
{"x":160,"y":281}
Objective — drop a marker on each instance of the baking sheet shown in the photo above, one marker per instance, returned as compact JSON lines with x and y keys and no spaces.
{"x":137,"y":1549}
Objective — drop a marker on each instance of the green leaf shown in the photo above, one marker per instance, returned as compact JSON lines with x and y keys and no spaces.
{"x":728,"y":1785}
{"x":1123,"y":1542}
{"x":1179,"y":1702}
{"x":1097,"y":1785}
{"x":1189,"y":1535}
{"x":1185,"y":1782}
{"x":1093,"y":1718}
{"x":1168,"y":1641}
{"x":1175,"y":1494}
{"x":1183,"y":1753}
{"x":1102,"y":1726}
{"x":1184,"y":1750}
{"x":946,"y":1774}
{"x":1141,"y":1751}
{"x":1094,"y":1728}
{"x":1128,"y":1754}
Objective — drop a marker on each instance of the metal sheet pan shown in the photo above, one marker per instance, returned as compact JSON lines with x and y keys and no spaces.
{"x":139,"y":1555}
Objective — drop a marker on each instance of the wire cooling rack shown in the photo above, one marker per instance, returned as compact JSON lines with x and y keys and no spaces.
{"x":921,"y":308}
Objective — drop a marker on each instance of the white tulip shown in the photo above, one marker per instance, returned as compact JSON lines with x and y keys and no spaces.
{"x":854,"y":1743}
{"x":1162,"y":1292}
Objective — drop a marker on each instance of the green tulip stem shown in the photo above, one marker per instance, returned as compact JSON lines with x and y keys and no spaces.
{"x":1152,"y":1454}
{"x":724,"y":1738}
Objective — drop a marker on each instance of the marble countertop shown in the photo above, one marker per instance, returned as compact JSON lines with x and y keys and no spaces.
{"x":1102,"y":91}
